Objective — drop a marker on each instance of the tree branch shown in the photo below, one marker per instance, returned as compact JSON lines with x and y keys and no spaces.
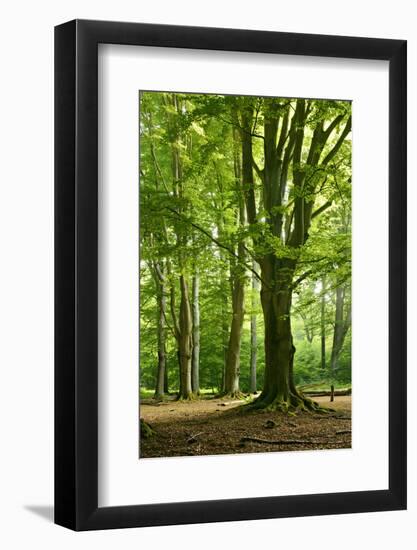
{"x":158,"y":168}
{"x":302,"y":278}
{"x":332,"y":153}
{"x":218,"y":243}
{"x":332,"y":126}
{"x":258,"y":170}
{"x":322,"y":208}
{"x":283,"y":134}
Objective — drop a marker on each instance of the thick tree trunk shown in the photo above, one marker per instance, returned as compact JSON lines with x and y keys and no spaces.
{"x":185,"y":342}
{"x":195,"y":366}
{"x":279,"y":391}
{"x":253,"y":333}
{"x":278,"y":343}
{"x":276,"y":305}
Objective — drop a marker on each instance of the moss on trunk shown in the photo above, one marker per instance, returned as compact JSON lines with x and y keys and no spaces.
{"x":146,"y":431}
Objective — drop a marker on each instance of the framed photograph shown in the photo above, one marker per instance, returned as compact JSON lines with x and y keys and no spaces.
{"x":230,"y":275}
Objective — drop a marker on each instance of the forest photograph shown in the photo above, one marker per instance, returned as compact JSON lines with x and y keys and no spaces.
{"x":245,"y":274}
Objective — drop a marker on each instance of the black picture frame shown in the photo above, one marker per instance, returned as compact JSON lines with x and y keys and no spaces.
{"x":76,"y":273}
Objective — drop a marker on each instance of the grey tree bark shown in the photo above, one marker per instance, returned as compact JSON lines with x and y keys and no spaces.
{"x":161,"y":371}
{"x":183,"y":326}
{"x":237,"y":281}
{"x":253,"y":331}
{"x":233,"y":349}
{"x":195,"y":367}
{"x":185,"y":341}
{"x":158,"y":271}
{"x":323,"y":324}
{"x":342,"y":324}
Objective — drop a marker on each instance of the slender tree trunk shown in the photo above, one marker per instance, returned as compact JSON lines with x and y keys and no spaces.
{"x":166,"y":383}
{"x":341,"y":326}
{"x":195,"y":367}
{"x":225,"y":329}
{"x":185,"y":341}
{"x":159,"y":275}
{"x":323,"y":324}
{"x":309,"y":332}
{"x":161,"y":370}
{"x":223,"y":288}
{"x":233,"y":349}
{"x":253,"y":332}
{"x":224,"y":313}
{"x":184,"y":326}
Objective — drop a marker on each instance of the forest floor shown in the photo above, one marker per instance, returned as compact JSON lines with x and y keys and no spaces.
{"x":212,"y":426}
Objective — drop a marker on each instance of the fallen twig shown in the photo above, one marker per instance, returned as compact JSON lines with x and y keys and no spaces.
{"x":333,"y":417}
{"x":278,"y":441}
{"x":193,"y":437}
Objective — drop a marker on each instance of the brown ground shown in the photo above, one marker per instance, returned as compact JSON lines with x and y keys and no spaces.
{"x":217,"y":426}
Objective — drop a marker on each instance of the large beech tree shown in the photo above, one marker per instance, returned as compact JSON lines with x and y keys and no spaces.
{"x":299,"y":145}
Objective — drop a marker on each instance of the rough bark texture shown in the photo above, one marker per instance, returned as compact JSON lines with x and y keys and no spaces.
{"x":279,"y":391}
{"x":195,"y":367}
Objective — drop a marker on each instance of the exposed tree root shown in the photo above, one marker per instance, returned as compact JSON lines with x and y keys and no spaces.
{"x":295,"y":402}
{"x":187,"y":397}
{"x":243,"y":440}
{"x":233,"y":395}
{"x":146,"y":430}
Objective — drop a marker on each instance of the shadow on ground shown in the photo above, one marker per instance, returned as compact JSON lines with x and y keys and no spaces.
{"x":45,"y":512}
